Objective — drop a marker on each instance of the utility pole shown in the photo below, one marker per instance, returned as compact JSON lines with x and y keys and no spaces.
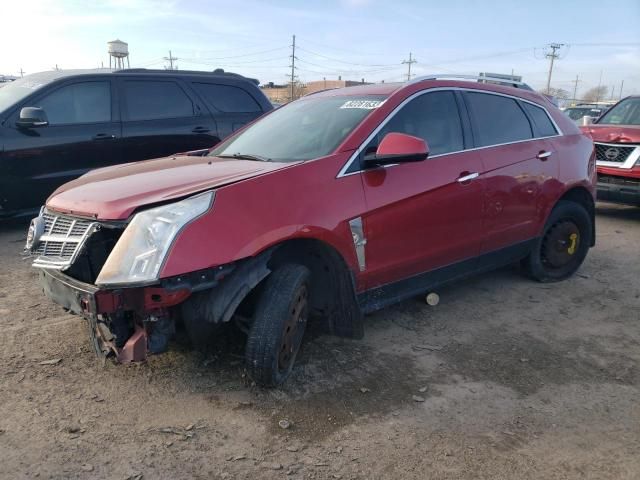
{"x":599,"y":85}
{"x":293,"y":68}
{"x":621,"y":85}
{"x":408,"y":64}
{"x":575,"y":89}
{"x":22,"y":72}
{"x":552,"y":56}
{"x":170,"y":59}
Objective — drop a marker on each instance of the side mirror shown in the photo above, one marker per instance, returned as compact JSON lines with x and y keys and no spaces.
{"x":397,"y":148}
{"x":32,"y":117}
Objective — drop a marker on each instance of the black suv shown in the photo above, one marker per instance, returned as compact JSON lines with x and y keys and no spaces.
{"x":55,"y":126}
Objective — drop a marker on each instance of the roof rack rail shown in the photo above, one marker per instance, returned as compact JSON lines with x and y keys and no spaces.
{"x":217,"y":71}
{"x":478,"y":78}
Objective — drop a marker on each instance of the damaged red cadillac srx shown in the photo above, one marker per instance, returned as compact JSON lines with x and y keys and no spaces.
{"x":332,"y":206}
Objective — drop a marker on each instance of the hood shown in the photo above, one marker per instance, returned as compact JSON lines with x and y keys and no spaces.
{"x":613,"y":133}
{"x":113,"y":193}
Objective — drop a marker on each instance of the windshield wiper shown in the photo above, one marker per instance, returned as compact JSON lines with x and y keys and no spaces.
{"x":246,"y":156}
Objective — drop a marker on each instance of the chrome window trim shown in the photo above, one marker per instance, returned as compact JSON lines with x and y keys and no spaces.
{"x":631,"y":160}
{"x":356,"y":153}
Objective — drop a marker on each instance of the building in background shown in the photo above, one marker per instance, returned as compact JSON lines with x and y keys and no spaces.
{"x":282,"y":93}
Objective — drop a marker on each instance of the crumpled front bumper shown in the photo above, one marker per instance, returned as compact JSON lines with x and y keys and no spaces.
{"x":71,"y":294}
{"x":96,"y":305}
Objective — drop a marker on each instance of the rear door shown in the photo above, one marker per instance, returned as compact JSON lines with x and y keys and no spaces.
{"x":422,"y":216}
{"x":83,"y":133}
{"x":231,"y":106}
{"x":517,"y":164}
{"x":161,"y":118}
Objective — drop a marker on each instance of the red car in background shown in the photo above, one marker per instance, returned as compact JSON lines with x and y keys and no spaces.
{"x":616,"y":136}
{"x":334,"y":205}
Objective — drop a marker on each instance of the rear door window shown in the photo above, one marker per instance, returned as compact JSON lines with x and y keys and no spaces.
{"x":151,"y":100}
{"x":84,"y":102}
{"x":541,"y":121}
{"x":226,"y":98}
{"x":497,"y":119}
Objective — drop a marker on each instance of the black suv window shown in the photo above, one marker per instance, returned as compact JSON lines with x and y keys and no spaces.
{"x":85,"y":102}
{"x":147,"y":100}
{"x":541,"y":121}
{"x":498,"y":119}
{"x":226,"y":98}
{"x":433,"y":117}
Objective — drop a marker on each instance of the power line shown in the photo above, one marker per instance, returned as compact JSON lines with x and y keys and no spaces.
{"x":344,"y":61}
{"x":409,"y":63}
{"x":246,"y":54}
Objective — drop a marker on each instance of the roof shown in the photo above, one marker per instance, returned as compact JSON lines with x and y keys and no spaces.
{"x":49,"y":76}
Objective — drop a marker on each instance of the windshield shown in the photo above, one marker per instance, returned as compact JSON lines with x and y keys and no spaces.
{"x":305,"y":129}
{"x":627,"y":112}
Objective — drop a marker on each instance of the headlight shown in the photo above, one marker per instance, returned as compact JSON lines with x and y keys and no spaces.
{"x":143,"y":246}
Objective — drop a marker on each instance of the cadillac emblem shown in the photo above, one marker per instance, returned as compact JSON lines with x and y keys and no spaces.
{"x":611,"y":154}
{"x":36,"y":229}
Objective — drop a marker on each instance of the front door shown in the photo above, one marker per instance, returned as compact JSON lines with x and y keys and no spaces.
{"x":426,"y":215}
{"x":83,"y":133}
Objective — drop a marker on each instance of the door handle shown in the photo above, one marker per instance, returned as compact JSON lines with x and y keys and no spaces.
{"x":543,"y":155}
{"x":200,"y":130}
{"x":466,"y":177}
{"x":103,"y":136}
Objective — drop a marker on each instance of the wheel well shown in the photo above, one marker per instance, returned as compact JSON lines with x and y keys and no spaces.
{"x":583,"y":197}
{"x":332,"y":291}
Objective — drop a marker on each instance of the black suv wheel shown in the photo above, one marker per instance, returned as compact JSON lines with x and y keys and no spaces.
{"x":278,"y":325}
{"x":563,"y":246}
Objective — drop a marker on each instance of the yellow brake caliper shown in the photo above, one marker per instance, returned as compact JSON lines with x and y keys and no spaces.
{"x":574,"y":239}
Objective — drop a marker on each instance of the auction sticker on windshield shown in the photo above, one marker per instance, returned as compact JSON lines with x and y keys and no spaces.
{"x":366,"y":104}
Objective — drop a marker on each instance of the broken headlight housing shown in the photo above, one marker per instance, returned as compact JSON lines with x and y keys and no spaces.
{"x":143,"y":246}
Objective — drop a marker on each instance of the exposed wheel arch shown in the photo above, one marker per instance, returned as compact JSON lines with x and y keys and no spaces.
{"x":333,"y":293}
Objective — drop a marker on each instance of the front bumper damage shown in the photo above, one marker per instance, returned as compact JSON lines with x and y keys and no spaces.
{"x":131,"y":322}
{"x":126,"y":322}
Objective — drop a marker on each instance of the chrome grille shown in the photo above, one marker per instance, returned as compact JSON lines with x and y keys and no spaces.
{"x":612,"y":152}
{"x":61,"y":240}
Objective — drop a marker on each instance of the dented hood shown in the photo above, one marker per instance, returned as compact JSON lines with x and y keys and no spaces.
{"x":607,"y":133}
{"x":113,"y":193}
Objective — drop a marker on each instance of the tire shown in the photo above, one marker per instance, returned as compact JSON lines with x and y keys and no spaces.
{"x":563,"y":246}
{"x":279,"y":322}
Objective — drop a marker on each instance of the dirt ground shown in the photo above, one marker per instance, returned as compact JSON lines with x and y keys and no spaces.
{"x":504,"y":379}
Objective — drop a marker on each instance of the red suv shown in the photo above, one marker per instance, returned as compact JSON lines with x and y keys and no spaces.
{"x":617,"y":140}
{"x":330,"y":207}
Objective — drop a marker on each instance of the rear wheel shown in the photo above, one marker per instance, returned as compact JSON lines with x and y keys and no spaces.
{"x":278,"y":325}
{"x":564,"y":244}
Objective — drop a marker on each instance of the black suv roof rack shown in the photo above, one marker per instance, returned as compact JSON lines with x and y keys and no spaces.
{"x":478,"y":78}
{"x":217,"y":71}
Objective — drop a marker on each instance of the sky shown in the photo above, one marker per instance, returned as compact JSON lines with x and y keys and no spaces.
{"x":354,"y":39}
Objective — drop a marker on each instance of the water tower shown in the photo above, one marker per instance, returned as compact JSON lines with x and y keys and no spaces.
{"x":118,"y":51}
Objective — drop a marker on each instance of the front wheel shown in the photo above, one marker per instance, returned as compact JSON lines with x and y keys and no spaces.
{"x":278,"y":325}
{"x":564,"y":244}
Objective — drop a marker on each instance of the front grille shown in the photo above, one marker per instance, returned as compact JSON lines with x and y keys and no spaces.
{"x":61,"y":240}
{"x":613,"y":153}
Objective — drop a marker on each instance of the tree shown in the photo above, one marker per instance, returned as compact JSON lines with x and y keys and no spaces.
{"x":559,"y":93}
{"x":595,"y":94}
